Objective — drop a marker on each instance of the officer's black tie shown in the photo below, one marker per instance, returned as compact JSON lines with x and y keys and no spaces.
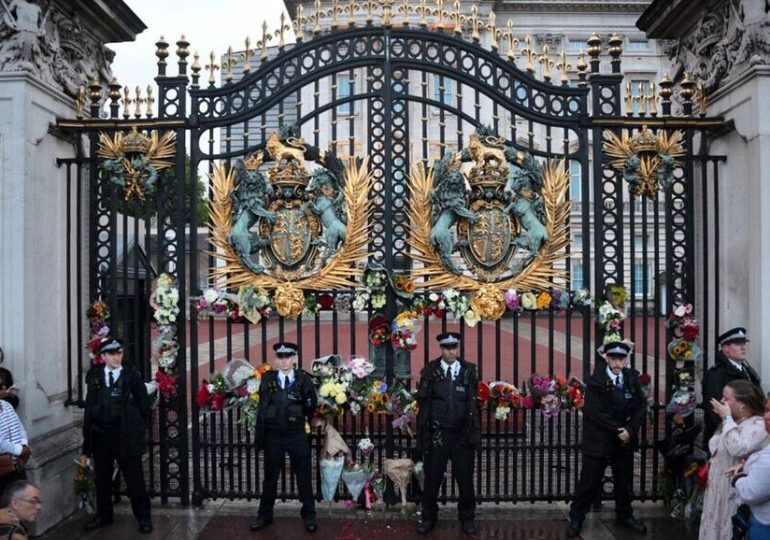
{"x":618,"y":383}
{"x":111,"y":378}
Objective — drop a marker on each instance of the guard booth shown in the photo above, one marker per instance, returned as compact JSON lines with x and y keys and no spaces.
{"x":302,"y":196}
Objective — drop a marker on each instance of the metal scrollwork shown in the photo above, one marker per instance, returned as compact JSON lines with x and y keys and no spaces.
{"x":510,"y":221}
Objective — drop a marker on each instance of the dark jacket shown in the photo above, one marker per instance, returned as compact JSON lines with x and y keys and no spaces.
{"x":431,"y":374}
{"x":270,"y":408}
{"x":600,"y":427}
{"x":6,"y":381}
{"x":714,"y":381}
{"x":134,"y":410}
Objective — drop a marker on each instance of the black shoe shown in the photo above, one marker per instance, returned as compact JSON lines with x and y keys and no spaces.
{"x":573,"y":529}
{"x":424,"y":527}
{"x":632,"y":524}
{"x":96,"y":523}
{"x":145,"y":526}
{"x":469,"y":527}
{"x":310,"y":524}
{"x":260,"y":523}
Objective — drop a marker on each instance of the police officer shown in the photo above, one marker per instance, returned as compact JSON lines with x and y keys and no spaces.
{"x":612,"y":414}
{"x":114,"y":423}
{"x":730,"y":365}
{"x":448,"y":428}
{"x":287,"y":399}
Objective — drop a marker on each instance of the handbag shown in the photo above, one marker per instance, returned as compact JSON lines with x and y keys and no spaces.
{"x":7,"y":465}
{"x":741,"y":522}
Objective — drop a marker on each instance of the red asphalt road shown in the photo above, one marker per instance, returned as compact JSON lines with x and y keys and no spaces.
{"x":321,"y":339}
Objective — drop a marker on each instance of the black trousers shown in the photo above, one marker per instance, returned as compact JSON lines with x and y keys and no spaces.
{"x":622,"y":463}
{"x":443,"y":446}
{"x":107,"y":450}
{"x":297,"y":445}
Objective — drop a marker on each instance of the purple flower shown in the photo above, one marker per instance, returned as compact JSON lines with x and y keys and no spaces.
{"x":512,"y":300}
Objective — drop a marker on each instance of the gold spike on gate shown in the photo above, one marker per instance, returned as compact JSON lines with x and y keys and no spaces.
{"x":212,"y":67}
{"x":546,"y":64}
{"x":529,"y":54}
{"x":246,"y":55}
{"x":564,"y":68}
{"x":511,"y":39}
{"x":150,"y":102}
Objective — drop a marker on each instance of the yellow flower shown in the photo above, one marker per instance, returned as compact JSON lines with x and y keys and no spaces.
{"x":543,"y":300}
{"x":254,"y":396}
{"x":471,"y":318}
{"x":340,"y":398}
{"x":528,"y":300}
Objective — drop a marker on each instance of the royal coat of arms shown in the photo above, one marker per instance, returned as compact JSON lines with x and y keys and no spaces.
{"x":288,"y":226}
{"x":489,"y":216}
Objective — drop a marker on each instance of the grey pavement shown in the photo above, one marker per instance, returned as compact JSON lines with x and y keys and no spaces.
{"x":230,"y":519}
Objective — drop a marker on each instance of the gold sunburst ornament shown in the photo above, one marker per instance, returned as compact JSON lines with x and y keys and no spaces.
{"x":491,"y":229}
{"x":285,"y":232}
{"x":132,"y":160}
{"x":647,"y":160}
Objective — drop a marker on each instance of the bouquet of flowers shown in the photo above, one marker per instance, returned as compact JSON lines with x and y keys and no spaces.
{"x":214,"y":302}
{"x":254,"y":303}
{"x":572,"y":393}
{"x":403,"y":286}
{"x":617,"y":295}
{"x":528,"y":300}
{"x":402,"y":407}
{"x":432,"y":304}
{"x":213,"y":395}
{"x":312,"y":306}
{"x":685,"y":328}
{"x":645,"y":381}
{"x":165,"y":300}
{"x":356,"y":474}
{"x":512,"y":300}
{"x":682,"y":402}
{"x":610,"y":317}
{"x":98,"y":314}
{"x":379,"y":330}
{"x":504,"y":397}
{"x":402,"y":335}
{"x":560,"y":300}
{"x":333,"y":380}
{"x":683,"y":349}
{"x":581,"y":297}
{"x":377,"y":398}
{"x":456,"y":302}
{"x":540,"y":386}
{"x":85,"y":487}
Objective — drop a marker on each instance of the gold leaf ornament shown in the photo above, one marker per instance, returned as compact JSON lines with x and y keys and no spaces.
{"x":489,"y":303}
{"x":289,"y":301}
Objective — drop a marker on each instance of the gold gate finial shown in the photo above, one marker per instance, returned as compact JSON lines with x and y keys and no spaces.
{"x":457,"y":18}
{"x":629,"y":100}
{"x":150,"y":102}
{"x":246,"y":55}
{"x":440,"y":14}
{"x":387,"y":12}
{"x":370,"y":6}
{"x":529,"y":53}
{"x":511,"y":39}
{"x":564,"y":67}
{"x":212,"y":67}
{"x":281,"y":32}
{"x":127,"y":101}
{"x":317,"y":17}
{"x":265,"y":38}
{"x":423,"y":10}
{"x":333,"y":11}
{"x":299,"y":23}
{"x":228,"y":64}
{"x":138,"y":101}
{"x":475,"y":23}
{"x":546,"y":64}
{"x":351,"y":9}
{"x":494,"y":32}
{"x":652,"y":99}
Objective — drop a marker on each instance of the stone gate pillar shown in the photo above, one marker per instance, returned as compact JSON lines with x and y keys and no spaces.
{"x":725,"y":44}
{"x":47,"y":51}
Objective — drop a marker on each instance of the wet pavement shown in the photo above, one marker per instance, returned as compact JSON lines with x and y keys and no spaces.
{"x":229,"y":520}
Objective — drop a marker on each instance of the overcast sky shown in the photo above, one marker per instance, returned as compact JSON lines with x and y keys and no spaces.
{"x":207,"y":24}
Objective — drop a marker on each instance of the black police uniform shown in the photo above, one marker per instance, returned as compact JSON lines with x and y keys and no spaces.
{"x":114,"y":425}
{"x":716,"y":378}
{"x":607,"y":408}
{"x":281,"y":418}
{"x":448,"y":428}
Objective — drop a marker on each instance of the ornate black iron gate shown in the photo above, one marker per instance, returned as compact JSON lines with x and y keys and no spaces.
{"x":399,"y":95}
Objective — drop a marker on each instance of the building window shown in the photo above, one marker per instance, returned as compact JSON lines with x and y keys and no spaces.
{"x":577,"y":241}
{"x":577,"y":275}
{"x":639,"y":88}
{"x":575,"y":185}
{"x":638,"y":45}
{"x":442,"y":90}
{"x":640,"y":240}
{"x":639,"y":282}
{"x":346,"y":87}
{"x":576,"y":45}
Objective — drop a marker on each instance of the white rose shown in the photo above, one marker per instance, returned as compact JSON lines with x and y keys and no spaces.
{"x":210,"y":295}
